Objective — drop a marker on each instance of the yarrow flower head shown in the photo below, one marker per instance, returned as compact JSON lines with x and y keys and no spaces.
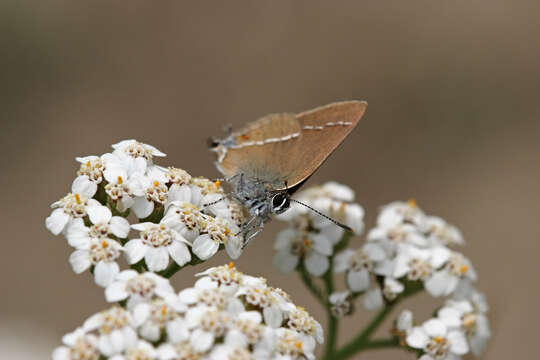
{"x":96,"y":245}
{"x":402,"y":325}
{"x":460,"y":326}
{"x":341,"y":303}
{"x":179,"y":220}
{"x":72,"y":206}
{"x":157,"y":244}
{"x":416,"y":249}
{"x":470,"y":319}
{"x":311,"y":238}
{"x":92,"y":167}
{"x":180,"y":215}
{"x":438,"y":341}
{"x":360,"y":265}
{"x":222,"y":317}
{"x":205,"y":227}
{"x":136,"y":155}
{"x":100,"y":253}
{"x":115,"y":330}
{"x":137,"y":288}
{"x":103,"y":224}
{"x":78,"y":345}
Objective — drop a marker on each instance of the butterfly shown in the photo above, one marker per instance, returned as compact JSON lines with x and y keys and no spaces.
{"x":271,"y":158}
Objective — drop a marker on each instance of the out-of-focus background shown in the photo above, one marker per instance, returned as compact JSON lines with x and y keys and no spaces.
{"x":453,"y":121}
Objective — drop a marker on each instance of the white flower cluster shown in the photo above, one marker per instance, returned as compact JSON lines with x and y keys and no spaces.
{"x":406,"y":247}
{"x":226,"y":315}
{"x":407,"y":251}
{"x":461,"y":326}
{"x":177,"y":215}
{"x":311,"y":238}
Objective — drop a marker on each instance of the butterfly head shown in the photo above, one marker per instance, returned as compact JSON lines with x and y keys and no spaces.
{"x":280,"y":202}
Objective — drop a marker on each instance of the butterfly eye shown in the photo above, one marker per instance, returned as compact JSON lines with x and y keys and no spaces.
{"x":212,"y":142}
{"x":280,"y":203}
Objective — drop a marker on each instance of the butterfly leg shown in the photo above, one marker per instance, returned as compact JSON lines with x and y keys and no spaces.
{"x":226,"y":196}
{"x":253,"y":234}
{"x":234,"y":177}
{"x":247,"y":226}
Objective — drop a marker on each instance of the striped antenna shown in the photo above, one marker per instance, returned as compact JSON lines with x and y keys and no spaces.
{"x":343,"y":226}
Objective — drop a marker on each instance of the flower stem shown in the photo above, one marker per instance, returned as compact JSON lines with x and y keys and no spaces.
{"x":362,"y":341}
{"x":382,"y":343}
{"x":140,"y":267}
{"x":333,"y":322}
{"x":322,"y":296}
{"x":313,"y":288}
{"x":173,"y":268}
{"x":170,"y":270}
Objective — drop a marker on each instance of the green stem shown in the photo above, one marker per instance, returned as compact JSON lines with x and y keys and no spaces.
{"x":173,"y":268}
{"x":170,"y":270}
{"x":333,"y":322}
{"x":101,"y":194}
{"x":362,"y":342}
{"x":322,"y":296}
{"x":382,"y":343}
{"x":156,"y":215}
{"x":315,"y":290}
{"x":140,"y":267}
{"x":331,"y":336}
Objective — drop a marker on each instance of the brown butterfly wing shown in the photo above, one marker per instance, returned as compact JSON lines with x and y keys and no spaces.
{"x":284,"y":148}
{"x":256,"y":146}
{"x":323,"y":130}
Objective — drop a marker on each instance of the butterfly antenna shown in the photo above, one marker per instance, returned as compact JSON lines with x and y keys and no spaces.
{"x":343,"y":226}
{"x":217,"y":181}
{"x":204,"y":206}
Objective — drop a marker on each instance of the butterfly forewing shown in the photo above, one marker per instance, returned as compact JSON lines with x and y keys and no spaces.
{"x":323,"y":130}
{"x":283,"y":150}
{"x":256,"y":147}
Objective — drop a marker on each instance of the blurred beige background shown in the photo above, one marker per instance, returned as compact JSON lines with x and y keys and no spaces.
{"x":453,"y":120}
